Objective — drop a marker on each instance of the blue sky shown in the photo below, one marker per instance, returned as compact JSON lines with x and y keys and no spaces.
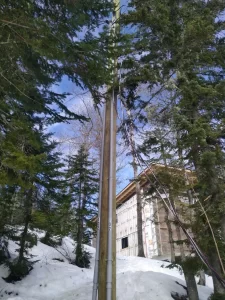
{"x":61,"y":130}
{"x":67,"y":86}
{"x":73,"y":101}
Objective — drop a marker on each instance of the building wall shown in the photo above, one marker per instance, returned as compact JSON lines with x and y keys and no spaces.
{"x":162,"y":233}
{"x":126,"y":227}
{"x":155,"y":230}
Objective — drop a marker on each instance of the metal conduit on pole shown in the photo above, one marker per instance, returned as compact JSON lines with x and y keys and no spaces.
{"x":110,"y":208}
{"x":104,"y":283}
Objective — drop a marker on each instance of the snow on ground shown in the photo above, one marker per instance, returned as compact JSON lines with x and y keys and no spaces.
{"x":137,"y":278}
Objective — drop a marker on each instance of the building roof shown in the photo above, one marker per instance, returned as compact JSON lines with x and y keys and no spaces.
{"x":129,"y":190}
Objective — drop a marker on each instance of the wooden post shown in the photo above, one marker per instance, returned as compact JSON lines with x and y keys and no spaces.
{"x":104,"y":230}
{"x":104,"y":208}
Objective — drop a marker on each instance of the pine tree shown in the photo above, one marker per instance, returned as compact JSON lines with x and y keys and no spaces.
{"x":130,"y":138}
{"x":41,"y":47}
{"x":161,"y":146}
{"x":42,"y":42}
{"x":28,"y":155}
{"x":83,"y":188}
{"x":180,"y":46}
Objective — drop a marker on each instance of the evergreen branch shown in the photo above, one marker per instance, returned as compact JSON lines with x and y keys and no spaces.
{"x":48,"y":110}
{"x":214,"y":239}
{"x":16,"y":24}
{"x":18,"y":34}
{"x":4,"y":43}
{"x":10,"y":82}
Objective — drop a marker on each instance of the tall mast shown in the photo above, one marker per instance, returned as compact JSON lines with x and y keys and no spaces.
{"x":104,"y":287}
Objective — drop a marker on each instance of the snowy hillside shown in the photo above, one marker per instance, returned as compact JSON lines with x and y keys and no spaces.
{"x":51,"y":279}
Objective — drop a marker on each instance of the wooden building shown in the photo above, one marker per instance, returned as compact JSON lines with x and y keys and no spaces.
{"x":158,"y":241}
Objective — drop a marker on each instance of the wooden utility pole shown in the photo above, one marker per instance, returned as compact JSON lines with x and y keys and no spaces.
{"x":105,"y":226}
{"x":105,"y":269}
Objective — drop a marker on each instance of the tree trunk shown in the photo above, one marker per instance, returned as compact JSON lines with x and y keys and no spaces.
{"x":81,"y":206}
{"x":80,"y":232}
{"x":181,"y":245}
{"x":139,"y":212}
{"x":28,"y":210}
{"x":80,"y":227}
{"x":14,"y":203}
{"x":215,"y":263}
{"x":158,"y":229}
{"x":168,"y":222}
{"x":78,"y":251}
{"x":192,"y":289}
{"x":214,"y":259}
{"x":141,"y":252}
{"x":223,"y":227}
{"x":201,"y":277}
{"x":177,"y":226}
{"x":170,"y":233}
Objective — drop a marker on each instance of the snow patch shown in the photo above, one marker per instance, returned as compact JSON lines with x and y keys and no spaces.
{"x":51,"y":279}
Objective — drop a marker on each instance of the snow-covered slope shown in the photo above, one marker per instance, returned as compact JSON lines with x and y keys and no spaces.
{"x":137,"y":278}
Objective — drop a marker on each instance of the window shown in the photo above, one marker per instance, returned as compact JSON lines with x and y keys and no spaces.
{"x":125,"y":242}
